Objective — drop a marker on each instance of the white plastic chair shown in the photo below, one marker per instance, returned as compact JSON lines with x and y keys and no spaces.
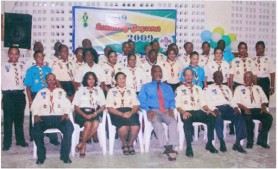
{"x":112,"y":134}
{"x":54,"y":130}
{"x":256,"y":129}
{"x":100,"y":132}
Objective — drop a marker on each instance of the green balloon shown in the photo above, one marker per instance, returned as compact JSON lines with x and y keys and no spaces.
{"x":213,"y":44}
{"x":219,"y":30}
{"x":227,"y":39}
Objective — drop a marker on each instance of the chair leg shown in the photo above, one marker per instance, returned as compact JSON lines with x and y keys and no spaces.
{"x":181,"y":136}
{"x":140,"y":135}
{"x":112,"y":133}
{"x":195,"y":132}
{"x":147,"y":137}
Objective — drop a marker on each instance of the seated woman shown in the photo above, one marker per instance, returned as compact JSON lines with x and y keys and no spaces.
{"x":123,"y":105}
{"x":89,"y":103}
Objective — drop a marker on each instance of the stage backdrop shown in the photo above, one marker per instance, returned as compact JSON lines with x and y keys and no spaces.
{"x":113,"y":27}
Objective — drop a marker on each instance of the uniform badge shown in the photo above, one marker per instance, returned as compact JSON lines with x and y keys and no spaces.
{"x":243,"y":91}
{"x":36,"y":81}
{"x":59,"y":105}
{"x":129,"y":92}
{"x":197,"y":90}
{"x":183,"y":91}
{"x":238,"y":72}
{"x":185,"y":102}
{"x":197,"y":100}
{"x":258,"y":91}
{"x":84,"y":93}
{"x":141,"y":81}
{"x":45,"y":106}
{"x":115,"y":104}
{"x":114,"y":93}
{"x":96,"y":91}
{"x":60,"y":94}
{"x":214,"y":91}
{"x":7,"y":67}
{"x":106,"y":71}
{"x":21,"y":67}
{"x":249,"y":61}
{"x":237,"y":62}
{"x":43,"y":94}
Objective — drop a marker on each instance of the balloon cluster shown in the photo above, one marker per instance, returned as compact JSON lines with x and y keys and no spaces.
{"x":217,"y":34}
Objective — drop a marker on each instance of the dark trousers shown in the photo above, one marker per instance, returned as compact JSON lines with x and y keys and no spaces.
{"x":52,"y":136}
{"x":265,"y":84}
{"x":13,"y":107}
{"x":266,"y":120}
{"x":198,"y":116}
{"x":227,"y":113}
{"x":47,"y":122}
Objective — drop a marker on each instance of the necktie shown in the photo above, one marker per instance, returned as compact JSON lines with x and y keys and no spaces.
{"x":160,"y":99}
{"x":134,"y":79}
{"x":259,"y":63}
{"x":244,"y":64}
{"x":41,"y":77}
{"x":51,"y":102}
{"x":220,"y":86}
{"x":69,"y":71}
{"x":219,"y":65}
{"x":172,"y":68}
{"x":196,"y":74}
{"x":91,"y":97}
{"x":122,"y":98}
{"x":16,"y":74}
{"x":192,"y":97}
{"x":251,"y":94}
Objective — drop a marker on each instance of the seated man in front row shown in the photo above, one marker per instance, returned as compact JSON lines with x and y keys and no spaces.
{"x":220,"y":98}
{"x":252,"y":100}
{"x":189,"y":103}
{"x":158,"y":99}
{"x":51,"y":109}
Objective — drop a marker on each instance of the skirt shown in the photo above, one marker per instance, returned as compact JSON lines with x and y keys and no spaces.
{"x":80,"y":120}
{"x":120,"y":121}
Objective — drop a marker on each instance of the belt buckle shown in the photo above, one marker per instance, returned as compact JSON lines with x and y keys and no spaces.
{"x":88,"y":109}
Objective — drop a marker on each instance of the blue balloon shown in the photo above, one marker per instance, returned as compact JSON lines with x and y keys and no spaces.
{"x":206,"y":35}
{"x":228,"y":48}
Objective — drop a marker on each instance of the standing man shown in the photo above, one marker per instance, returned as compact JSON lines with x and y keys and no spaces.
{"x":122,"y":58}
{"x":189,"y":103}
{"x":158,"y":100}
{"x":51,"y":109}
{"x":219,"y":98}
{"x":156,"y":46}
{"x":252,"y":101}
{"x":13,"y":100}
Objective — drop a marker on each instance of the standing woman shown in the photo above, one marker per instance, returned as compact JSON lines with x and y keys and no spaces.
{"x":171,"y":69}
{"x":111,"y":67}
{"x":89,"y":102}
{"x":78,"y":58}
{"x":64,"y":71}
{"x":217,"y":64}
{"x":123,"y":105}
{"x":135,"y":75}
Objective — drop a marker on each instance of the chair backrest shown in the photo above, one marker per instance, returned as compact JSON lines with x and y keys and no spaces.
{"x":106,"y":113}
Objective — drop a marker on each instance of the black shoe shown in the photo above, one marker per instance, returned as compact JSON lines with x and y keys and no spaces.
{"x":6,"y":148}
{"x":65,"y":159}
{"x":40,"y":161}
{"x":249,"y":145}
{"x":223,"y":147}
{"x":189,"y":152}
{"x":55,"y":142}
{"x":95,"y":140}
{"x":237,"y":147}
{"x":264,"y":145}
{"x":23,"y":144}
{"x":211,"y":148}
{"x":31,"y":139}
{"x":232,"y":130}
{"x":89,"y":141}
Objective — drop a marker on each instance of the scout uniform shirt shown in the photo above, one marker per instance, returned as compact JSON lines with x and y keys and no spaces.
{"x":265,"y":66}
{"x":13,"y":75}
{"x":171,"y":71}
{"x":64,"y":71}
{"x":135,"y":77}
{"x":110,"y":71}
{"x":36,"y":77}
{"x":97,"y":69}
{"x":161,"y":57}
{"x":216,"y":95}
{"x":214,"y":66}
{"x":121,"y":97}
{"x":147,"y":67}
{"x":189,"y":98}
{"x":122,"y":59}
{"x":89,"y":98}
{"x":205,"y":59}
{"x":77,"y":65}
{"x":48,"y":103}
{"x":250,"y":96}
{"x":239,"y":66}
{"x":184,"y":60}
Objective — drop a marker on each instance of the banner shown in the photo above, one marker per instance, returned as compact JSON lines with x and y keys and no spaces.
{"x":112,"y":27}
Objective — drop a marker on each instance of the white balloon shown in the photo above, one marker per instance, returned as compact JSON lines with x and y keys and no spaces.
{"x":234,"y":45}
{"x":216,"y":37}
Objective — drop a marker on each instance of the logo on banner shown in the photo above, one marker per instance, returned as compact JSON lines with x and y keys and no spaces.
{"x":164,"y":41}
{"x":85,"y":18}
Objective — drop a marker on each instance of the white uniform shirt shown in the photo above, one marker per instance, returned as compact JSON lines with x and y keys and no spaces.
{"x":265,"y":66}
{"x":135,"y":77}
{"x":13,"y":76}
{"x":86,"y":68}
{"x":122,"y":59}
{"x":161,"y":57}
{"x":205,"y":59}
{"x":121,"y":97}
{"x":216,"y":96}
{"x":89,"y":98}
{"x":147,"y":66}
{"x":171,"y":71}
{"x":239,"y":67}
{"x":102,"y":59}
{"x":213,"y":66}
{"x":184,"y":60}
{"x":188,"y":99}
{"x":110,"y":71}
{"x":64,"y":71}
{"x":243,"y":95}
{"x":47,"y":103}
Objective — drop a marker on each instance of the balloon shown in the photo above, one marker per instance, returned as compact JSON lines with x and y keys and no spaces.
{"x":213,"y":44}
{"x":232,"y":36}
{"x":218,"y":30}
{"x":216,"y":37}
{"x":227,"y":40}
{"x":234,"y":45}
{"x":228,"y":48}
{"x":206,"y":35}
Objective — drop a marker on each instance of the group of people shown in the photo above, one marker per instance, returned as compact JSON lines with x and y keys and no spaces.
{"x":202,"y":88}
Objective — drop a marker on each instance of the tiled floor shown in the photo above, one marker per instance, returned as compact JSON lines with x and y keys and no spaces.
{"x":257,"y":157}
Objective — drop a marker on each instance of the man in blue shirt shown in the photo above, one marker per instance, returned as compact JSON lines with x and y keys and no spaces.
{"x":199,"y":72}
{"x":35,"y":80}
{"x":158,"y":100}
